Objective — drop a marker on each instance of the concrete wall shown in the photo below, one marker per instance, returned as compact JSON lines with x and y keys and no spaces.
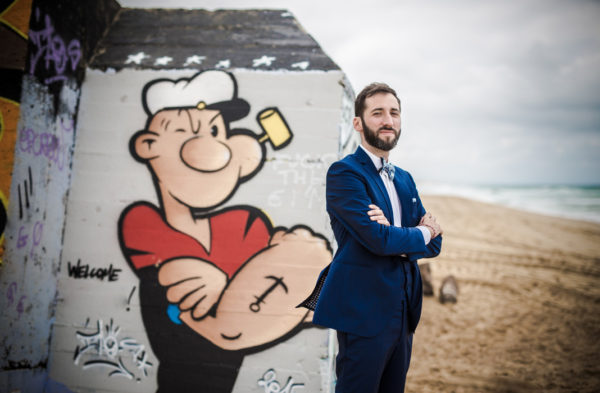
{"x":170,"y":218}
{"x":14,"y":26}
{"x":288,"y":188}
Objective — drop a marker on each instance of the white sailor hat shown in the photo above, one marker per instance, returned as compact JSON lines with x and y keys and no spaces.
{"x":212,"y":89}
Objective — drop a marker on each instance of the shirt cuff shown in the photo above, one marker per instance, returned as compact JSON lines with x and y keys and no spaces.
{"x":426,"y":233}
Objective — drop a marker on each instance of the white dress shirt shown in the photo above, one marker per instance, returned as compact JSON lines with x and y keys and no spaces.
{"x":393,"y":195}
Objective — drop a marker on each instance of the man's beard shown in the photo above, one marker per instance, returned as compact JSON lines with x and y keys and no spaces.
{"x":373,"y":139}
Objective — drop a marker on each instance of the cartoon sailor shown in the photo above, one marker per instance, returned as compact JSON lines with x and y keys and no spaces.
{"x":214,"y":284}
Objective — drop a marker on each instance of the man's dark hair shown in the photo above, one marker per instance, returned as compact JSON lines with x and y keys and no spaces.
{"x":368,"y":91}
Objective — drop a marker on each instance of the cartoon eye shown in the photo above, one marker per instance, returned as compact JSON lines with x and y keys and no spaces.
{"x":180,"y":130}
{"x":214,"y":130}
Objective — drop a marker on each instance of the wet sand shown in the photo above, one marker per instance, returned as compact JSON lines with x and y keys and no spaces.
{"x":528,"y":312}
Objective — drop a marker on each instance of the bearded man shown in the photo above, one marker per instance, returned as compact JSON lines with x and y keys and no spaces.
{"x":371,"y":293}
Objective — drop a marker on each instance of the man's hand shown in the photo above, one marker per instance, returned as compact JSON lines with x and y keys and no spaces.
{"x":193,"y":284}
{"x":430,"y":222}
{"x":377,"y":215}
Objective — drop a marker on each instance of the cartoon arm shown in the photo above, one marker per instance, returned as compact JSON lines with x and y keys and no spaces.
{"x":193,"y":284}
{"x":258,"y":304}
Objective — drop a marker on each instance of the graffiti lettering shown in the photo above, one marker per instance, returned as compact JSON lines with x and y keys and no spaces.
{"x":103,"y":348}
{"x":11,"y":295}
{"x":304,"y":161}
{"x":52,"y":49}
{"x":304,"y":170}
{"x":43,"y":144}
{"x":84,"y":271}
{"x":22,"y":238}
{"x":24,"y":235}
{"x":270,"y":385}
{"x":68,"y":127}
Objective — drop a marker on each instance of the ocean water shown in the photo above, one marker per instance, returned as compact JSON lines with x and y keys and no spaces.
{"x":577,"y":202}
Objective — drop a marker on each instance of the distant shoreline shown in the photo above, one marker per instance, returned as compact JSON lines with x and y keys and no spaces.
{"x":563,"y":201}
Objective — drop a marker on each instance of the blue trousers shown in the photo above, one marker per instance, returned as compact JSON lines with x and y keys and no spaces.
{"x":375,"y":364}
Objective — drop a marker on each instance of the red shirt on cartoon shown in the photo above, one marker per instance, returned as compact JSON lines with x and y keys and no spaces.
{"x":236,"y":236}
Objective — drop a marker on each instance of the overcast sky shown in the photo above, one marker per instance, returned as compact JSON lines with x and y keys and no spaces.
{"x":493,"y":92}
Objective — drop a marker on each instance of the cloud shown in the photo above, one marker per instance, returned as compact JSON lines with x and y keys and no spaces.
{"x":492,"y":91}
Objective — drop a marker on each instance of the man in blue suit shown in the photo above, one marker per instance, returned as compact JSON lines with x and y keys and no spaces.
{"x":371,"y":293}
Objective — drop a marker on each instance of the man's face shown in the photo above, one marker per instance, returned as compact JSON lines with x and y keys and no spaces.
{"x":194,"y":159}
{"x":380,"y":121}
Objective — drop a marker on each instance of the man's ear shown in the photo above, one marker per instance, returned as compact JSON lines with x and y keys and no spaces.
{"x":143,"y":145}
{"x":357,"y":124}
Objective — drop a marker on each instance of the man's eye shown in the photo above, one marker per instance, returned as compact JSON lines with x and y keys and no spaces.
{"x":214,"y":130}
{"x":180,"y":130}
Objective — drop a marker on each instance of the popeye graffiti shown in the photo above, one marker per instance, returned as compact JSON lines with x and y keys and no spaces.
{"x":215,"y":283}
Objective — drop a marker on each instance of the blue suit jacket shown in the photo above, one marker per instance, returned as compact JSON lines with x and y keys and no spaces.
{"x":365,"y":283}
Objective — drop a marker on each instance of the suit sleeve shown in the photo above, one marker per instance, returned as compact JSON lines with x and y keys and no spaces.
{"x":348,"y":202}
{"x":435,"y":245}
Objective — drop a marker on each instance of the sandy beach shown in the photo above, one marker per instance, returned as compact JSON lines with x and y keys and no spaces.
{"x":528,"y":312}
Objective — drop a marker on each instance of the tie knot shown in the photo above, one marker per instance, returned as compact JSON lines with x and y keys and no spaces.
{"x":387,"y":168}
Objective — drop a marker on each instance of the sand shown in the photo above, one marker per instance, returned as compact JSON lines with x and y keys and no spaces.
{"x":527,"y":317}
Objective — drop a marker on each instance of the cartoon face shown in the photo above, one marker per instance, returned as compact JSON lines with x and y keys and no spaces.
{"x":195,"y":158}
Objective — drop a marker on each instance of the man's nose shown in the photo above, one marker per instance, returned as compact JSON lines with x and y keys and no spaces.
{"x":388,"y":120}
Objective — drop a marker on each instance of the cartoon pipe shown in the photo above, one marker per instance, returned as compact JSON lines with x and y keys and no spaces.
{"x":275,"y":128}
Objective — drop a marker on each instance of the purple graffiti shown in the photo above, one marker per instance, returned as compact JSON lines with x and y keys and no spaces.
{"x":11,"y":295}
{"x":31,"y":236}
{"x":52,"y":52}
{"x":67,"y":125}
{"x":43,"y":144}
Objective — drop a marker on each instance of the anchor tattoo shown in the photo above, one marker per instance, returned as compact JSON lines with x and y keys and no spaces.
{"x":255,"y":307}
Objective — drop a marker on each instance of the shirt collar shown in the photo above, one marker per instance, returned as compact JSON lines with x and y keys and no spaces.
{"x":376,"y":160}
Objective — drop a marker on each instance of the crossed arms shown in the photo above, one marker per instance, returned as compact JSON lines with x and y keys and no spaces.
{"x":355,"y":209}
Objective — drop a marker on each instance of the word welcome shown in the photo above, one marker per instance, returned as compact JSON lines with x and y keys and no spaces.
{"x":84,"y":271}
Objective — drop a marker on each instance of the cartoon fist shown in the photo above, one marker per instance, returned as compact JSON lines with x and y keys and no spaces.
{"x":193,"y":284}
{"x":301,"y":243}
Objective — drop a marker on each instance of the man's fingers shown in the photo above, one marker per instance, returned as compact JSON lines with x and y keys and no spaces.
{"x":376,"y":214}
{"x":380,"y":219}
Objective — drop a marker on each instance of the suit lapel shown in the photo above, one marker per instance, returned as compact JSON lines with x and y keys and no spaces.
{"x":373,"y":177}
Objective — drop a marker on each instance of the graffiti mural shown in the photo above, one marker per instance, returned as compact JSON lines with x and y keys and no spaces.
{"x":14,"y":24}
{"x":51,"y":52}
{"x":102,"y":348}
{"x":270,"y":385}
{"x":215,"y":283}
